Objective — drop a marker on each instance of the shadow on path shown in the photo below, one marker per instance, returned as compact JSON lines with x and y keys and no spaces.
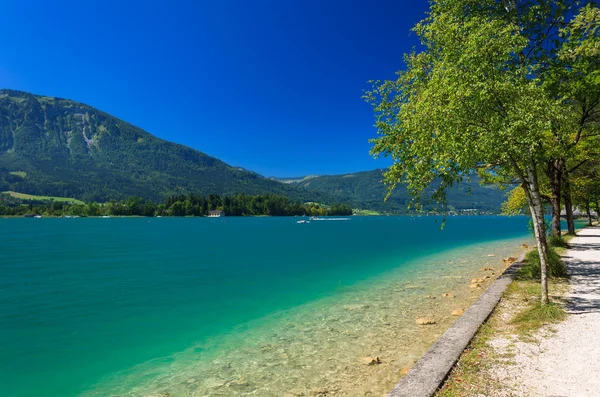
{"x":583,"y":264}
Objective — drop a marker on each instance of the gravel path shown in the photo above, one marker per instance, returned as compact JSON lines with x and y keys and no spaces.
{"x":565,"y":362}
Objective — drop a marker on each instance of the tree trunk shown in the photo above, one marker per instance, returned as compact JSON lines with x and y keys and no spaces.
{"x":597,"y":205}
{"x":554,"y":173}
{"x":568,"y":203}
{"x":539,"y":227}
{"x":589,"y":213}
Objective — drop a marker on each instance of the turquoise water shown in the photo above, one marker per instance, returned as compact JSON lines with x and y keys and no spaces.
{"x":104,"y":306}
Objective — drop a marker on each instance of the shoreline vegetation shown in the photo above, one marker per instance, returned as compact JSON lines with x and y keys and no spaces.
{"x":15,"y":204}
{"x":18,"y":205}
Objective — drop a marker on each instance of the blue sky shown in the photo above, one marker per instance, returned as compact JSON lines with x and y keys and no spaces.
{"x":272,"y":86}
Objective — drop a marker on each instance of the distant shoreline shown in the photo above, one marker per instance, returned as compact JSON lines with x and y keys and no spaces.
{"x":246,"y":216}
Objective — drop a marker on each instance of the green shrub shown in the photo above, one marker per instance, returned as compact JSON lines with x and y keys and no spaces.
{"x":531,"y":268}
{"x":558,"y":242}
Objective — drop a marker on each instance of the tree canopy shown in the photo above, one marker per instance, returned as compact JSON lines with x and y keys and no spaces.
{"x":486,"y":93}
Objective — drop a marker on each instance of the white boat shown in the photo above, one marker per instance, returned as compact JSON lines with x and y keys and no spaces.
{"x":303,"y":221}
{"x":37,"y":216}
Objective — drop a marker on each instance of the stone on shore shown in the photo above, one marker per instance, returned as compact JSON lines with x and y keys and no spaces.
{"x":426,"y":321}
{"x":458,"y":312}
{"x":371,"y":360}
{"x":447,"y":295}
{"x":475,"y":285}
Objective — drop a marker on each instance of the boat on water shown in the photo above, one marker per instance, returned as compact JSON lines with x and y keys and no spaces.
{"x":303,"y":221}
{"x":37,"y":216}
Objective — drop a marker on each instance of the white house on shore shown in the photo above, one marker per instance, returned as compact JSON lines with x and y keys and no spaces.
{"x":216,"y":214}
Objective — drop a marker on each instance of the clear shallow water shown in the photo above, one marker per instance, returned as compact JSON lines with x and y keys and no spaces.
{"x":233,"y":306}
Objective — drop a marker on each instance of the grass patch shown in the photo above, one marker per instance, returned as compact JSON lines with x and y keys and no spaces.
{"x":531,"y":270}
{"x":24,"y":196}
{"x":537,"y":315}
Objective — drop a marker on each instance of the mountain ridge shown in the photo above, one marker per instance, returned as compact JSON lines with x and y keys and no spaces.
{"x":53,"y":146}
{"x":366,"y":189}
{"x":62,"y":146}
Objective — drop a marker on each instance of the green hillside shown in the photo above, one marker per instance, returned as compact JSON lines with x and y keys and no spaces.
{"x":57,"y":147}
{"x":366,"y":190}
{"x":61,"y":148}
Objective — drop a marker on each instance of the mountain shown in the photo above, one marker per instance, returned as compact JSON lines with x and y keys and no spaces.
{"x":58,"y":147}
{"x":366,"y":190}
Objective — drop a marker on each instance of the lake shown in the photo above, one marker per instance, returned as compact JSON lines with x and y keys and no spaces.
{"x":232,"y":306}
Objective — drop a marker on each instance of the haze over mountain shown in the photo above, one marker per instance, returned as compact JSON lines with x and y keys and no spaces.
{"x":58,"y":147}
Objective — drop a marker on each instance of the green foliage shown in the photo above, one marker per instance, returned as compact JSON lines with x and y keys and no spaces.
{"x":557,"y":242}
{"x":248,"y":205}
{"x":583,"y":34}
{"x":462,"y":104}
{"x":490,"y":91}
{"x":181,"y":205}
{"x":531,"y":268}
{"x":516,"y":202}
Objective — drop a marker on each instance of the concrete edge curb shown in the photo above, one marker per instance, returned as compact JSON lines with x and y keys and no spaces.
{"x":429,"y":373}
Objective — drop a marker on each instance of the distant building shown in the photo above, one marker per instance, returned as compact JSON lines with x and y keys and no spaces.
{"x":216,"y":214}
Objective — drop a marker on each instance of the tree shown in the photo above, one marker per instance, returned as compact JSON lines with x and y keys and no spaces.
{"x":571,"y":76}
{"x":473,"y":99}
{"x":134,"y":205}
{"x":177,"y":209}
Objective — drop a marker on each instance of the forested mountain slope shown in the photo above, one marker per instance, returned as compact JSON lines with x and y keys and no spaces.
{"x":57,"y":147}
{"x":366,"y":190}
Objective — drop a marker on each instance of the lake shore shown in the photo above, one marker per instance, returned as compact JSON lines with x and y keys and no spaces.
{"x":507,"y":358}
{"x":359,"y":345}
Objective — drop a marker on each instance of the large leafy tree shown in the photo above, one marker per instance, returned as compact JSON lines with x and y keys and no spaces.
{"x":474,"y":99}
{"x":570,"y":70}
